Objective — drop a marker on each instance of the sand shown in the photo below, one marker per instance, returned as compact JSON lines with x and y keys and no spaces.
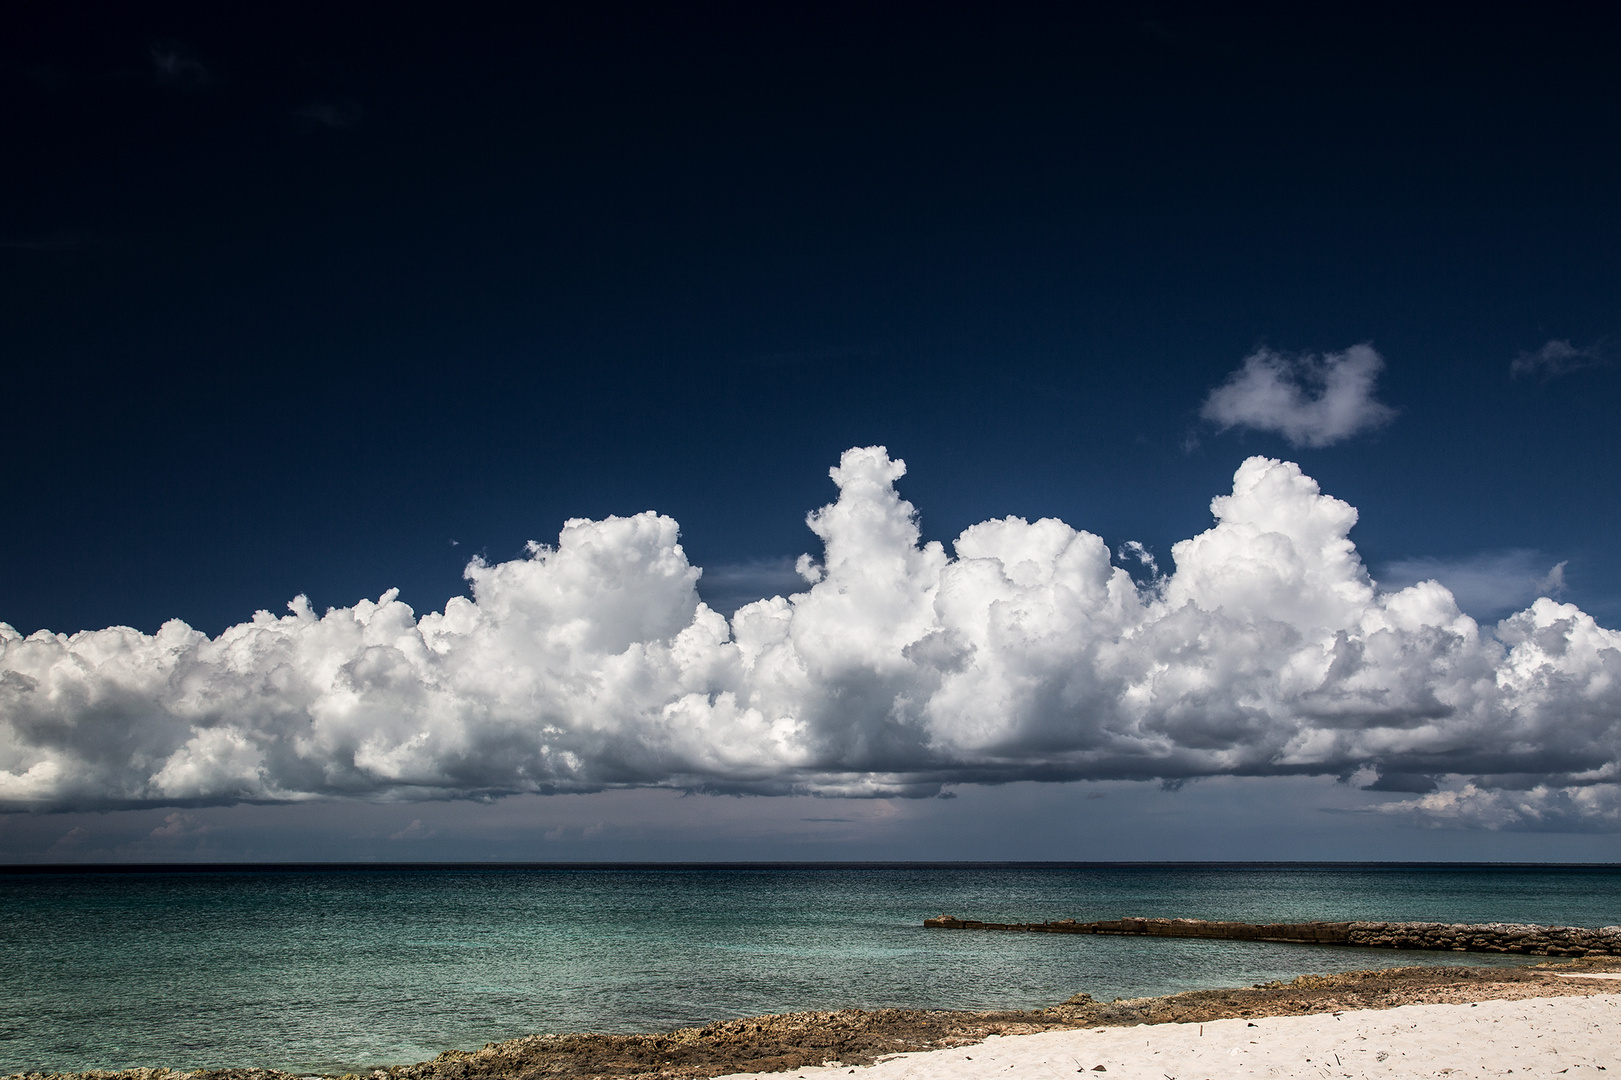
{"x":1575,"y":1037}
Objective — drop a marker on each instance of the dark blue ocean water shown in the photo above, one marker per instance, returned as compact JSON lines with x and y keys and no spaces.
{"x":328,"y":969}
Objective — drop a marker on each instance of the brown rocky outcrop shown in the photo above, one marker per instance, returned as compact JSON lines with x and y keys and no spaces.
{"x":1526,"y":938}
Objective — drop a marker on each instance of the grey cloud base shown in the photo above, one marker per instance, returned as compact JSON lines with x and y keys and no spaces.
{"x":1024,"y":655}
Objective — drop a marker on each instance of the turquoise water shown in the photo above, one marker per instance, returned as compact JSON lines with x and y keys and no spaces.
{"x":330,"y":969}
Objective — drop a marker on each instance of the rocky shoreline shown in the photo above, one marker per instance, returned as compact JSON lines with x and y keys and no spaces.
{"x":1524,"y":938}
{"x":855,"y":1037}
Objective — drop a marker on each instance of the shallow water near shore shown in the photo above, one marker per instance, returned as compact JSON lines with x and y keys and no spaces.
{"x":333,"y":968}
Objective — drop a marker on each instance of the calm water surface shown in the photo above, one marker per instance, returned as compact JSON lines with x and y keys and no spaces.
{"x":329,"y":969}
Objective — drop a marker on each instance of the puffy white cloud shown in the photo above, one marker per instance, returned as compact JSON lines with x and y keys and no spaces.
{"x":1307,"y":400}
{"x":1025,"y":653}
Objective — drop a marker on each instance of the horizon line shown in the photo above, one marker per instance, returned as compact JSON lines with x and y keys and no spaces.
{"x":783,"y":864}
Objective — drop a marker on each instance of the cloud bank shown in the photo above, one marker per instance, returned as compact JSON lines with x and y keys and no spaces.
{"x":1309,"y":401}
{"x":1026,"y":653}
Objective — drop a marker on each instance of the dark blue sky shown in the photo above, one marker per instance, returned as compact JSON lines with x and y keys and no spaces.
{"x":328,"y":300}
{"x":294,"y":297}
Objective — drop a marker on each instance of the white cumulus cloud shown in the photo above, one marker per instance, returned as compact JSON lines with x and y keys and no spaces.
{"x":1022,"y":653}
{"x":1310,"y":401}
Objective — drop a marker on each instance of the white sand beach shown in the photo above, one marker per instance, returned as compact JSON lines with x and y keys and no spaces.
{"x":1574,"y":1037}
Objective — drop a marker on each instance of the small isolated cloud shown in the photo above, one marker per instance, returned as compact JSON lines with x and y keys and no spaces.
{"x":179,"y":827}
{"x":173,"y":64}
{"x":1310,"y":401}
{"x":414,"y":831}
{"x":339,"y":114}
{"x":897,"y":668}
{"x":1487,"y":585}
{"x":1559,"y":357}
{"x":71,"y":839}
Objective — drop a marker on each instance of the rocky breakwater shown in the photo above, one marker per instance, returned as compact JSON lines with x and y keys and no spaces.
{"x":1525,"y":938}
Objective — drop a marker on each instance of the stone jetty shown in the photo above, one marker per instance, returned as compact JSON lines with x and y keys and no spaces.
{"x":1526,"y":938}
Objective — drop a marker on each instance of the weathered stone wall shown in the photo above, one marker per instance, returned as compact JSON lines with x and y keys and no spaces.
{"x":1524,"y":938}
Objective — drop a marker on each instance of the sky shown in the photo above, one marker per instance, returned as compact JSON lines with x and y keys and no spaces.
{"x":1161,"y":431}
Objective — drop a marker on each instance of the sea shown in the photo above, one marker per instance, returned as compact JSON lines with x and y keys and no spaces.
{"x":328,"y":969}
